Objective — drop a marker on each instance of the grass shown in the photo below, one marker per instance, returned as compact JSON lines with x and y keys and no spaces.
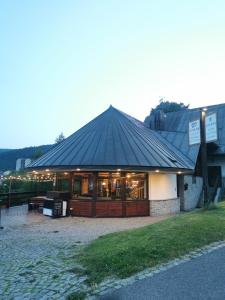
{"x":125,"y":253}
{"x":77,"y":296}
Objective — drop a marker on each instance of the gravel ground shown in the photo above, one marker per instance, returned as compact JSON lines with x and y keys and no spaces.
{"x":37,"y":252}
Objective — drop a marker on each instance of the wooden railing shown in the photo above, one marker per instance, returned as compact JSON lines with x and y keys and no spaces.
{"x":17,"y":198}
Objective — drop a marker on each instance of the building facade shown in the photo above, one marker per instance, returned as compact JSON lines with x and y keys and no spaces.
{"x":116,"y":166}
{"x":22,"y":163}
{"x":174,"y":128}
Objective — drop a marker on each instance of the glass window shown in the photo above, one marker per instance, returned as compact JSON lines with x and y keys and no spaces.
{"x":136,"y":186}
{"x":109,"y":186}
{"x":104,"y":185}
{"x":116,"y":185}
{"x":62,"y":182}
{"x":83,"y":185}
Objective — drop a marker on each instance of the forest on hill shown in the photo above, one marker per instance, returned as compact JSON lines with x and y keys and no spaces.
{"x":8,"y":157}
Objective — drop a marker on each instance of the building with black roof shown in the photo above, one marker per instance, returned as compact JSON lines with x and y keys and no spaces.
{"x":116,"y":166}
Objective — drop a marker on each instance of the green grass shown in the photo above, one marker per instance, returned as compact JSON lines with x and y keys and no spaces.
{"x":125,"y":253}
{"x":77,"y":296}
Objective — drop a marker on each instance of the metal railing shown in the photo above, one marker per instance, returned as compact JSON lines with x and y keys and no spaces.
{"x":18,"y":198}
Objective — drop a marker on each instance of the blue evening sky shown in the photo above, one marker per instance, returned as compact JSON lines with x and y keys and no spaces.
{"x":64,"y":62}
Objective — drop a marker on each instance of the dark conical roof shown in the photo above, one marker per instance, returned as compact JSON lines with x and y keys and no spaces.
{"x":114,"y":139}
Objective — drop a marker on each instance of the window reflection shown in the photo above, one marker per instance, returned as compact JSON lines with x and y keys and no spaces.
{"x":109,"y":186}
{"x":83,"y":185}
{"x":135,"y":186}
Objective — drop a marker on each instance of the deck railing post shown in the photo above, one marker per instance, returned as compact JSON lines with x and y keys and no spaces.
{"x":1,"y":227}
{"x":8,"y":199}
{"x":95,"y":193}
{"x":123,"y":193}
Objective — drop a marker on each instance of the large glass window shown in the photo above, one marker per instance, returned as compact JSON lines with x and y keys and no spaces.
{"x":116,"y":185}
{"x":62,"y":182}
{"x":83,"y":185}
{"x":136,"y":186}
{"x":109,"y":185}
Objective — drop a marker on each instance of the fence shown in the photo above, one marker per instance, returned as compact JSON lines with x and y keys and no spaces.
{"x":15,"y":198}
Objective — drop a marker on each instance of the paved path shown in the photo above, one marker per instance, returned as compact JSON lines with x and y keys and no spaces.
{"x":202,"y":278}
{"x":37,"y":253}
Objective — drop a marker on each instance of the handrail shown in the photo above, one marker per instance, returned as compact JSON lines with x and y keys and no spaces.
{"x":21,"y":193}
{"x":15,"y":198}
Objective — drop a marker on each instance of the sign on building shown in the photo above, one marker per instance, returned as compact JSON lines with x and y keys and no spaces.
{"x":211,"y":127}
{"x":194,"y":132}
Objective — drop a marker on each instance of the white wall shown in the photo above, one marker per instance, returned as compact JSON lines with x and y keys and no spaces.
{"x":18,"y":164}
{"x":162,"y":186}
{"x":27,"y":162}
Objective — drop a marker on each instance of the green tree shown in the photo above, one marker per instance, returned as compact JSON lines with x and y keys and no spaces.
{"x":60,"y":138}
{"x":38,"y":153}
{"x":166,"y":106}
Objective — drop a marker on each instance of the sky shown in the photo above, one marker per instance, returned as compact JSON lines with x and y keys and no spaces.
{"x":62,"y":63}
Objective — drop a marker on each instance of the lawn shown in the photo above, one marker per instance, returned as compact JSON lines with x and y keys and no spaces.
{"x":125,"y":253}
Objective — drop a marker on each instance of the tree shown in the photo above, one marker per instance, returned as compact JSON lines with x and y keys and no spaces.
{"x":166,"y":106}
{"x":169,"y":106}
{"x":60,"y":138}
{"x":38,"y":153}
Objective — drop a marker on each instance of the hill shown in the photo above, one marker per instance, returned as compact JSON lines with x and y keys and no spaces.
{"x":4,"y":150}
{"x":8,"y":157}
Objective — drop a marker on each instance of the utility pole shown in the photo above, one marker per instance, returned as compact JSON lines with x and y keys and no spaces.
{"x":204,"y":162}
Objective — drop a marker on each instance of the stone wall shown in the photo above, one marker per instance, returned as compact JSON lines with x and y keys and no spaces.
{"x":193,"y":193}
{"x":164,"y":207}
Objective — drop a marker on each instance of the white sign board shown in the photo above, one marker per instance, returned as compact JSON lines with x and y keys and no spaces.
{"x":211,"y":127}
{"x":194,"y":132}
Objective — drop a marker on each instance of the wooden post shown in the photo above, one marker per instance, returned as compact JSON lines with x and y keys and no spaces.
{"x":71,"y":184}
{"x":1,"y":227}
{"x":10,"y":193}
{"x":204,"y":163}
{"x":56,"y":182}
{"x":123,"y":193}
{"x":95,"y":193}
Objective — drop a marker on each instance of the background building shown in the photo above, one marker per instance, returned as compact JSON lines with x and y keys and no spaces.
{"x":22,"y":163}
{"x":174,"y":128}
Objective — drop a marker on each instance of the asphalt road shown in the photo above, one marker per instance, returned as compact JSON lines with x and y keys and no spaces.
{"x":200,"y":278}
